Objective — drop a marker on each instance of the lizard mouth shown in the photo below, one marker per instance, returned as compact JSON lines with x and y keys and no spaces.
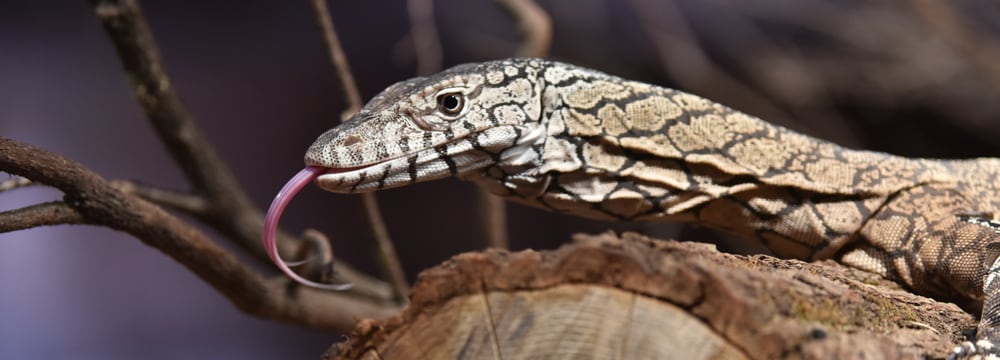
{"x":514,"y":145}
{"x":448,"y":159}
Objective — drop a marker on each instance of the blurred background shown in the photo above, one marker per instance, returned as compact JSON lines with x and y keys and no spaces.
{"x":917,"y":78}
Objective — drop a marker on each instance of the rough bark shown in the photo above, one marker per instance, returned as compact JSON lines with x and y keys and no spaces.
{"x":632,"y":297}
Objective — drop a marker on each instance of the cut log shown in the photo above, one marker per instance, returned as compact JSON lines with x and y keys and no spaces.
{"x":631,"y":297}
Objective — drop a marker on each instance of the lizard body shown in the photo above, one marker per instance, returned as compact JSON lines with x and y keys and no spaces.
{"x":581,"y":142}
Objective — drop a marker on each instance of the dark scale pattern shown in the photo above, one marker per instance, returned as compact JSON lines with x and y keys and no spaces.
{"x":581,"y":142}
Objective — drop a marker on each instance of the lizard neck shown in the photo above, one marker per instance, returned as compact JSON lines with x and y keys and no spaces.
{"x":622,"y":150}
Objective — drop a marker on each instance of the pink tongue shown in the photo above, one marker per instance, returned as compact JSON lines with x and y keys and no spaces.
{"x":284,"y":196}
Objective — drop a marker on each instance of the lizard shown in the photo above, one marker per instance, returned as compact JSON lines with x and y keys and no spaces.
{"x":578,"y":141}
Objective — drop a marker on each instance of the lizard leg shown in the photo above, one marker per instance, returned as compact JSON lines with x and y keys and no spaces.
{"x":988,"y":331}
{"x":947,"y":254}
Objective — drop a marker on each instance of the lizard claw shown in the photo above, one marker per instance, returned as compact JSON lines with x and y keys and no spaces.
{"x":982,"y":349}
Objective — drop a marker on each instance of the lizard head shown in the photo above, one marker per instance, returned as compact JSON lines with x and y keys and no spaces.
{"x":463,"y":119}
{"x":460,"y":120}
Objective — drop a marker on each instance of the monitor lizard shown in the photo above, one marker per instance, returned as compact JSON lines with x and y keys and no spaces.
{"x":578,"y":141}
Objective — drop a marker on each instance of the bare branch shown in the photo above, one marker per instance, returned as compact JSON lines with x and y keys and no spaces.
{"x":536,"y":31}
{"x":97,"y":202}
{"x":427,"y":46}
{"x":339,"y":60}
{"x":364,"y":285}
{"x":493,"y":215}
{"x":50,"y":213}
{"x":535,"y":26}
{"x":423,"y":33}
{"x":389,"y":261}
{"x":187,"y":203}
{"x":316,"y":256}
{"x":130,"y":34}
{"x":231,"y":210}
{"x":14,"y":183}
{"x":226,"y":205}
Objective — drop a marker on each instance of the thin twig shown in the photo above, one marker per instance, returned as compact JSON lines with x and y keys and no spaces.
{"x":534,"y":24}
{"x":364,"y":285}
{"x":347,"y":84}
{"x":316,"y":256}
{"x":388,"y":260}
{"x":97,"y":202}
{"x":536,"y":32}
{"x":133,"y":40}
{"x":187,"y":203}
{"x":423,"y":33}
{"x":427,"y":50}
{"x":14,"y":183}
{"x":229,"y":209}
{"x":232,"y":211}
{"x":493,"y":215}
{"x":50,"y":213}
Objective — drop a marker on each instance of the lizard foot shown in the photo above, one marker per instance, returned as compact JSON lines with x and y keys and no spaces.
{"x":982,"y":349}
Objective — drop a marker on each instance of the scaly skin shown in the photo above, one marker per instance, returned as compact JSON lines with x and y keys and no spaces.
{"x":578,"y":141}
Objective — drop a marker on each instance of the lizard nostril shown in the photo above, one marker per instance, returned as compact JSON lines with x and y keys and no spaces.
{"x":351,"y":140}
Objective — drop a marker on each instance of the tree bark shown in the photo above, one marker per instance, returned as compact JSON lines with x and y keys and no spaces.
{"x":631,"y":297}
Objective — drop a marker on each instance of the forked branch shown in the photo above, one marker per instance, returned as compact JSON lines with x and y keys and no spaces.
{"x":218,"y":199}
{"x":90,"y":199}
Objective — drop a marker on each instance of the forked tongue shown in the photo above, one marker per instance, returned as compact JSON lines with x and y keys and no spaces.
{"x":281,"y":201}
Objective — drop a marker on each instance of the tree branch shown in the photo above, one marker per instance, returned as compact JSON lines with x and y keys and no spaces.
{"x":227,"y":206}
{"x":50,"y":213}
{"x":346,"y":78}
{"x":93,"y":200}
{"x":536,"y":30}
{"x":423,"y":34}
{"x":191,"y":204}
{"x":493,"y":219}
{"x":388,"y":259}
{"x":132,"y":38}
{"x":232,"y":212}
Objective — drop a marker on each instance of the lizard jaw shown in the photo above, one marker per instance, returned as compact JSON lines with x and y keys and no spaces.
{"x":514,"y":146}
{"x":453,"y":158}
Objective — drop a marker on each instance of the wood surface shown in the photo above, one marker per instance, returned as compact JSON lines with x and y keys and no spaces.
{"x":630,"y":297}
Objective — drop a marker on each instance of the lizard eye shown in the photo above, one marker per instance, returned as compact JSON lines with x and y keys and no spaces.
{"x":451,"y":103}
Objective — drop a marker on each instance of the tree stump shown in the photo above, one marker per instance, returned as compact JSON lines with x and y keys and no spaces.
{"x":631,"y":297}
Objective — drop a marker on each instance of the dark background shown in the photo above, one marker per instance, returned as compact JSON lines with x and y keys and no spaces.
{"x":916,"y":78}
